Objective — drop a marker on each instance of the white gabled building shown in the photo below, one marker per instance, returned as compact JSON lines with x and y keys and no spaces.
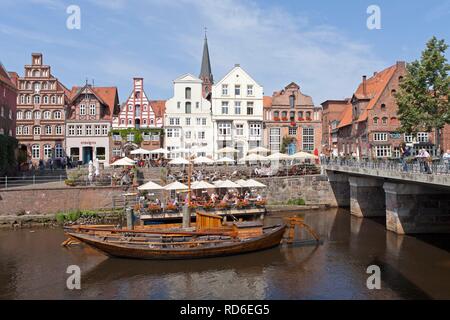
{"x":237,"y":112}
{"x":187,"y":120}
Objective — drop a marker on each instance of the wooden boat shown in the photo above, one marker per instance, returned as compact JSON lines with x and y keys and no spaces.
{"x":210,"y":238}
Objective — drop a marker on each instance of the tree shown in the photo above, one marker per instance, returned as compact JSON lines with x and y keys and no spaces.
{"x":423,"y":96}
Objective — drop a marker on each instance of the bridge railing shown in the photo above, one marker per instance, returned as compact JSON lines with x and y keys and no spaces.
{"x":411,"y":165}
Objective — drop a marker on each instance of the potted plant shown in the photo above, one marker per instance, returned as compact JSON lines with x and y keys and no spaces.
{"x":208,"y":206}
{"x":284,"y":118}
{"x":242,"y":204}
{"x":261,"y":203}
{"x":171,"y":207}
{"x":153,"y":208}
{"x":276,"y":118}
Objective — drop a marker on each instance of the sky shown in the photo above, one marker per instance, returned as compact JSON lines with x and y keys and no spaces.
{"x":323,"y":46}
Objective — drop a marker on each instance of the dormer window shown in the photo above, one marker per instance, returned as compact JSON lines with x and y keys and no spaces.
{"x":137,"y":95}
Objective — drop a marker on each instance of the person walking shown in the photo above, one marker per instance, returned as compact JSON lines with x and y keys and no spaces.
{"x":446,"y":159}
{"x":405,"y":153}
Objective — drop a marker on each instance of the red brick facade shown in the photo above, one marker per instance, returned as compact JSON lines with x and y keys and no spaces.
{"x":8,"y":101}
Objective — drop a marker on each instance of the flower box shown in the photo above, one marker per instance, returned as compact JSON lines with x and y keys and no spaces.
{"x":171,"y":207}
{"x":284,"y":119}
{"x":154,"y":208}
{"x":300,"y":119}
{"x":276,"y":118}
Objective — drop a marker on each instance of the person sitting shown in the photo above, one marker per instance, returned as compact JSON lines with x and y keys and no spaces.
{"x":258,"y":197}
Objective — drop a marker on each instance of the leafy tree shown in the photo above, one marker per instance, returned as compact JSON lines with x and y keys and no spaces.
{"x":423,"y":96}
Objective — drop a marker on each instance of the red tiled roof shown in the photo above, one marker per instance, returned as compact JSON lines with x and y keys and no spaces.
{"x":107,"y":95}
{"x":159,"y":107}
{"x":267,"y":101}
{"x":346,"y":116}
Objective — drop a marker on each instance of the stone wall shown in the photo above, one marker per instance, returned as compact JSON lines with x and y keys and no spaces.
{"x":53,"y":200}
{"x":314,"y":189}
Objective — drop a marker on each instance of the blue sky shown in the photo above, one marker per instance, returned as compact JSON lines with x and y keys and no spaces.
{"x":324,"y":46}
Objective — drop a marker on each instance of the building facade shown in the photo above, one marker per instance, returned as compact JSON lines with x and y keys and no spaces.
{"x":88,"y":123}
{"x":187,"y":121}
{"x":8,"y":102}
{"x":41,"y":112}
{"x":138,"y":124}
{"x":332,"y":111}
{"x":237,"y":112}
{"x":292,"y":122}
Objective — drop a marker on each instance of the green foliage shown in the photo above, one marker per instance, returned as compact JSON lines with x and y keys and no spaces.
{"x":8,"y":146}
{"x":286,"y":141}
{"x":297,"y":202}
{"x":60,"y":217}
{"x":423,"y":95}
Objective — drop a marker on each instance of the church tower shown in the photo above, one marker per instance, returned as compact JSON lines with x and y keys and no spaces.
{"x":205,"y":72}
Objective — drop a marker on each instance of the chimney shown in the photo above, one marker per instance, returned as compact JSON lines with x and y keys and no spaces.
{"x":375,"y":73}
{"x":364,"y":84}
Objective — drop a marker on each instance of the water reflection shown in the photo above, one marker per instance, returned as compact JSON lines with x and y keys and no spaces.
{"x":33,"y":265}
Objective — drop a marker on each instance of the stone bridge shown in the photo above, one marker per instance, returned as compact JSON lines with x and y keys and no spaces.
{"x":412,"y":201}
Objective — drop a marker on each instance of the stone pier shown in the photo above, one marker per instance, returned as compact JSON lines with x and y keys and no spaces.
{"x":341,"y":188}
{"x":413,"y":208}
{"x":367,"y":197}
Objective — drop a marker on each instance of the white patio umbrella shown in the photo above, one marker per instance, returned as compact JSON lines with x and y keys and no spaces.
{"x":251,"y":183}
{"x":178,"y":161}
{"x":241,"y":182}
{"x":123,"y":162}
{"x":200,"y":160}
{"x":303,"y":155}
{"x":202,"y":185}
{"x":218,"y":182}
{"x":228,"y":184}
{"x":253,"y":157}
{"x":225,"y":160}
{"x":175,"y":186}
{"x":278,"y":156}
{"x":258,"y":150}
{"x":140,"y":151}
{"x":160,"y":150}
{"x":150,"y":186}
{"x":227,"y":150}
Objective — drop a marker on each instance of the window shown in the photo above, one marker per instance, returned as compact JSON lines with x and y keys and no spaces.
{"x":380,"y":136}
{"x":59,"y":151}
{"x":249,"y":90}
{"x":53,"y":99}
{"x":37,"y":99}
{"x":97,"y":130}
{"x":224,"y":128}
{"x":22,"y":99}
{"x":104,"y":129}
{"x":375,"y":120}
{"x":79,"y":130}
{"x":197,"y":105}
{"x":75,"y":154}
{"x":101,"y":153}
{"x":37,"y":115}
{"x":28,"y":115}
{"x":130,"y":136}
{"x":28,"y":99}
{"x":237,"y":90}
{"x":173,"y":133}
{"x":198,"y":121}
{"x":71,"y":130}
{"x":187,"y":134}
{"x":48,"y":130}
{"x":92,"y":109}
{"x":292,"y":131}
{"x":45,"y":99}
{"x":82,"y":109}
{"x":187,"y":107}
{"x":35,"y":151}
{"x":47,"y":151}
{"x":284,"y":115}
{"x":37,"y":130}
{"x":116,"y":137}
{"x":308,"y":115}
{"x":146,"y":136}
{"x":116,"y":152}
{"x":26,"y":130}
{"x":383,"y":107}
{"x":224,"y":107}
{"x":18,"y":130}
{"x":308,"y":139}
{"x":201,"y":135}
{"x":408,"y":138}
{"x":88,"y":130}
{"x":122,"y":121}
{"x":203,"y":121}
{"x":224,"y":89}
{"x":239,"y":129}
{"x":255,"y":129}
{"x":130,"y":107}
{"x":145,"y":107}
{"x":188,"y":121}
{"x":47,"y":115}
{"x":57,"y":114}
{"x":187,"y":93}
{"x":174,"y":121}
{"x":384,"y":120}
{"x":237,"y":107}
{"x":276,"y":114}
{"x":178,"y":104}
{"x":19,"y":115}
{"x":58,"y":129}
{"x":137,"y":95}
{"x":383,"y":151}
{"x":37,"y":86}
{"x":274,"y":139}
{"x":422,"y":137}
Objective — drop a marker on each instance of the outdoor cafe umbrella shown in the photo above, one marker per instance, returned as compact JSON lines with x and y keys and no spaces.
{"x":303,"y":155}
{"x":228,"y":184}
{"x":227,"y":150}
{"x":241,"y":182}
{"x":175,"y":186}
{"x":258,"y":150}
{"x":225,"y":160}
{"x":202,"y":185}
{"x":160,"y":150}
{"x":278,"y":156}
{"x":179,"y":161}
{"x":251,"y":183}
{"x":253,"y":157}
{"x":140,"y":151}
{"x":123,"y":162}
{"x":200,"y":160}
{"x":150,"y":186}
{"x":218,"y":182}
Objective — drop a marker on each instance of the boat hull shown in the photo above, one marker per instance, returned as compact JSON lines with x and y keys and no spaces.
{"x":269,"y":240}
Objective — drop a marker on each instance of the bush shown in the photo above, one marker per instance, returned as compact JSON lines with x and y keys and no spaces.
{"x":73,"y":215}
{"x":60,"y":217}
{"x":298,"y":202}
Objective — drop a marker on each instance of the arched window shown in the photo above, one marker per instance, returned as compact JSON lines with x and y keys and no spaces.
{"x":187,"y":93}
{"x":26,"y":130}
{"x":36,"y":73}
{"x":28,"y":100}
{"x":22,"y":99}
{"x":37,"y":130}
{"x":37,"y":86}
{"x":19,"y":115}
{"x":58,"y":129}
{"x":383,"y":106}
{"x":48,"y":129}
{"x":28,"y":85}
{"x":47,"y":115}
{"x":393,"y":91}
{"x":37,"y":115}
{"x":276,"y":114}
{"x":375,"y":120}
{"x":35,"y":151}
{"x":28,"y":115}
{"x":59,"y":151}
{"x":308,"y":115}
{"x":292,"y":115}
{"x":47,"y":151}
{"x":400,"y":79}
{"x":144,"y":107}
{"x":45,"y":99}
{"x":53,"y":99}
{"x":384,"y":120}
{"x":284,"y":115}
{"x":137,"y":95}
{"x":187,"y":108}
{"x":37,"y":99}
{"x":19,"y":130}
{"x":57,"y":114}
{"x":300,"y":114}
{"x":44,"y":85}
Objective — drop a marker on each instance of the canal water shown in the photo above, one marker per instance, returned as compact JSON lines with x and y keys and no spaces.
{"x":33,"y":266}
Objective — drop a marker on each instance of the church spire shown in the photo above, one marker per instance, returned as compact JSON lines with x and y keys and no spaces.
{"x":205,"y":71}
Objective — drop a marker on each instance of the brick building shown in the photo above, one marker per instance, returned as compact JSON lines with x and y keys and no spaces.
{"x":291,"y":116}
{"x":89,"y":119}
{"x":8,"y":102}
{"x":332,"y":111}
{"x":41,"y":112}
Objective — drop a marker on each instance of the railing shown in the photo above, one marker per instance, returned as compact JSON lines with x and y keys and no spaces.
{"x":36,"y":181}
{"x":436,"y":167}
